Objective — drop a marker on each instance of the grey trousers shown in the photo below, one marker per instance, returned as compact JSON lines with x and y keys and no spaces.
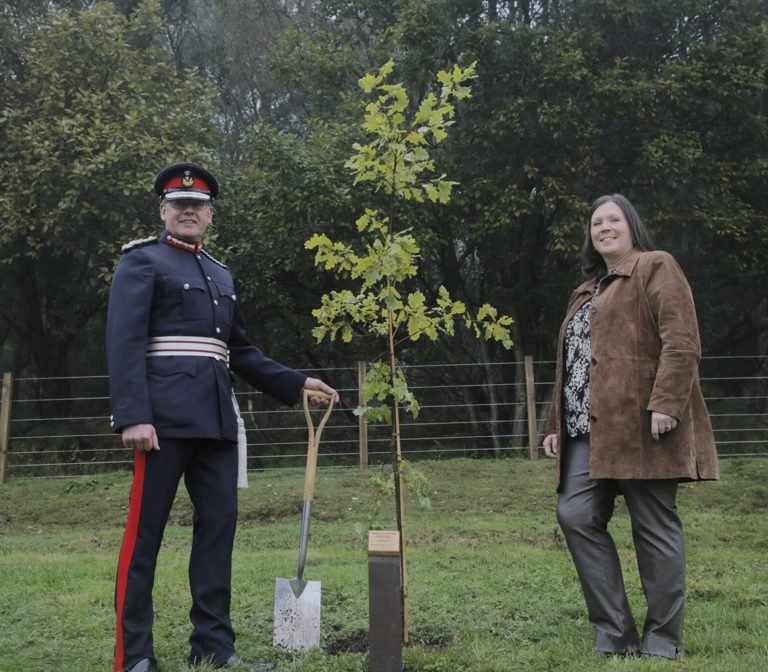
{"x":584,"y":508}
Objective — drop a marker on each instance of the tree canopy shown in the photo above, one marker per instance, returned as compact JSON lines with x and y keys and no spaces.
{"x":94,"y":107}
{"x":664,"y":101}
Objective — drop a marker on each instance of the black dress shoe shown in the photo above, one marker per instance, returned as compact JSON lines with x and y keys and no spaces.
{"x":144,"y":665}
{"x":235,"y":662}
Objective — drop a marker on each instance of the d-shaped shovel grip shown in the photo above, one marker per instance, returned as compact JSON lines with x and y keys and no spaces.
{"x":313,"y":442}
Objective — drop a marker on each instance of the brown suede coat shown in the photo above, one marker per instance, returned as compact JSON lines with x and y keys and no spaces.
{"x":645,"y":356}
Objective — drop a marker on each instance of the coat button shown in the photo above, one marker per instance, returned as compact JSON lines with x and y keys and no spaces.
{"x":234,"y":298}
{"x":593,"y":361}
{"x":199,"y":256}
{"x":186,"y":285}
{"x":208,"y":278}
{"x":593,"y":310}
{"x":218,"y":330}
{"x":215,"y":302}
{"x":592,"y":418}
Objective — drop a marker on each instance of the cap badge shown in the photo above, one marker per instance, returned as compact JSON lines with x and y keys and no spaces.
{"x":187,"y":181}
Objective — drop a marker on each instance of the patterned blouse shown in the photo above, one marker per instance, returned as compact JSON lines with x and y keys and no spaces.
{"x":578,"y":351}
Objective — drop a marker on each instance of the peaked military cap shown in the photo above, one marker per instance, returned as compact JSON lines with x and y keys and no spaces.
{"x":188,"y":181}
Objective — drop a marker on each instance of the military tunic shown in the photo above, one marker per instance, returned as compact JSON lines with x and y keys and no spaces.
{"x":163,"y":289}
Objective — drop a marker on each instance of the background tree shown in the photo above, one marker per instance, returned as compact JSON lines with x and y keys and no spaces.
{"x":267,"y":210}
{"x":94,"y":111}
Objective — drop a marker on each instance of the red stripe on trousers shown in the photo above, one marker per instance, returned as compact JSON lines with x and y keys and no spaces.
{"x":126,"y":552}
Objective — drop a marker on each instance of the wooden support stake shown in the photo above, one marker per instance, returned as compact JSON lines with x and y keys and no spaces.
{"x":385,"y":635}
{"x":530,"y":394}
{"x":5,"y":421}
{"x":362,"y":423}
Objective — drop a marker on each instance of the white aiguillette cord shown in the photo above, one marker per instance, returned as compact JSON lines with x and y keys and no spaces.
{"x":242,"y":447}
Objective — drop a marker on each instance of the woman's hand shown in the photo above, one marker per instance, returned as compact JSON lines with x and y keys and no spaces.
{"x":550,"y":445}
{"x":661,"y":423}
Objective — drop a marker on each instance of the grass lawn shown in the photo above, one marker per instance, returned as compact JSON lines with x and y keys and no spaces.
{"x":492,"y":587}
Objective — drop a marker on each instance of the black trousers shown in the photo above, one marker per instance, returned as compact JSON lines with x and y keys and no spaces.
{"x":584,"y":509}
{"x":210,"y":475}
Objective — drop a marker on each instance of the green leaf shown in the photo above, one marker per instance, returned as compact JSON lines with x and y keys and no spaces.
{"x":444,"y":78}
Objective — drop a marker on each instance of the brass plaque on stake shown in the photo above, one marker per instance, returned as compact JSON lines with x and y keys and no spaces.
{"x":384,"y":542}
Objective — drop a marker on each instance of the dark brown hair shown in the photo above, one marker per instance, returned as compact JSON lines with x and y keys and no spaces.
{"x":592,"y":264}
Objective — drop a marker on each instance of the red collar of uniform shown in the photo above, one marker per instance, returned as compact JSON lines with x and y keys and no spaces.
{"x":183,"y":244}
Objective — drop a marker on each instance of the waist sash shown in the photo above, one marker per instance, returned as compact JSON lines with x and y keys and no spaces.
{"x":187,"y":346}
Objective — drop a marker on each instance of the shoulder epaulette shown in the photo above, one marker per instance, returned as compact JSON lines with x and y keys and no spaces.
{"x":213,"y":259}
{"x":141,"y":242}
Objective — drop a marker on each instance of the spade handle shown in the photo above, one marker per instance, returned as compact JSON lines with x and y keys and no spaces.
{"x":313,"y":442}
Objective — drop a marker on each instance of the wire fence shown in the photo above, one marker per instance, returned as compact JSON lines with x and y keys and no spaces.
{"x":59,"y":427}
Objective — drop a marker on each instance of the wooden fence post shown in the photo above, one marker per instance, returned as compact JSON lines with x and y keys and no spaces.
{"x":362,"y":424}
{"x":530,"y":395}
{"x":5,"y":421}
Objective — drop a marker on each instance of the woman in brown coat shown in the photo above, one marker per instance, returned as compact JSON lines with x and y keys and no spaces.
{"x":630,"y":417}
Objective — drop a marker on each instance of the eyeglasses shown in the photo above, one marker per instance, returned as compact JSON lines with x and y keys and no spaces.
{"x":182,"y":204}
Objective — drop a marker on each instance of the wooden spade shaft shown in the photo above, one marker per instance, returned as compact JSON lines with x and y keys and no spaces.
{"x":313,"y":445}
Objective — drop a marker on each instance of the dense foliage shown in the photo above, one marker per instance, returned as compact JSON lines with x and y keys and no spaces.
{"x":663,"y":100}
{"x":92,"y":106}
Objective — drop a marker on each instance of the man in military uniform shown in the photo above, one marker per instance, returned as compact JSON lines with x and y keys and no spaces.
{"x":174,"y":332}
